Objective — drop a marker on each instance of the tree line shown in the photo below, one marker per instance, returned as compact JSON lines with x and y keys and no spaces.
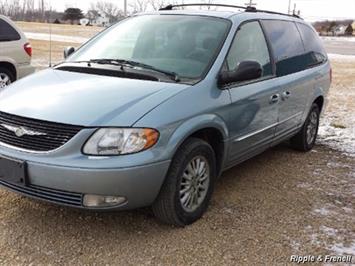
{"x":41,"y":11}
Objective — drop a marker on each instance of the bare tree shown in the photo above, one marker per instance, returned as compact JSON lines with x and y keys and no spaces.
{"x":28,"y":10}
{"x":156,"y":4}
{"x":108,"y":8}
{"x":139,"y":6}
{"x":208,"y":2}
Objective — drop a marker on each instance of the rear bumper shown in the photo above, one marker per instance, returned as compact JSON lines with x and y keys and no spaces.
{"x":24,"y":70}
{"x":66,"y":186}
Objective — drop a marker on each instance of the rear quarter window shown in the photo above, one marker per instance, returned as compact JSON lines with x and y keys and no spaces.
{"x":7,"y":32}
{"x":315,"y":53}
{"x":287,"y":46}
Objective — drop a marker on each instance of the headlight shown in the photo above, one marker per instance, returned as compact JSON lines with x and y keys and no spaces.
{"x":119,"y":141}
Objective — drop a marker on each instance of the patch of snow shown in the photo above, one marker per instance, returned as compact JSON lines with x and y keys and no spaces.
{"x":295,"y":245}
{"x":341,"y":249}
{"x":328,"y":231}
{"x":322,"y":211}
{"x":341,"y":57}
{"x":342,"y":139}
{"x":347,"y":210}
{"x":304,"y":186}
{"x":338,"y":165}
{"x":315,"y":240}
{"x":338,"y":39}
{"x":337,"y":127}
{"x":317,"y":171}
{"x":55,"y":37}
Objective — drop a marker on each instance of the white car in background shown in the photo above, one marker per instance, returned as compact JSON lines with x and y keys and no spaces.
{"x":15,"y":53}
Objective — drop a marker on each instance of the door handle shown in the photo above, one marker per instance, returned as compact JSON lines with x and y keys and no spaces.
{"x":286,"y":95}
{"x":274,"y":98}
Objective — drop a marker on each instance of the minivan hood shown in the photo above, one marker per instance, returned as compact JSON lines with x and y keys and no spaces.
{"x":84,"y":99}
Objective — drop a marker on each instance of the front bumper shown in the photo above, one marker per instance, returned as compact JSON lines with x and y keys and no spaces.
{"x":67,"y":185}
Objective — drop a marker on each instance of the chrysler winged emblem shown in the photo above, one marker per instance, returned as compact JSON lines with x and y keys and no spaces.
{"x":22,"y":131}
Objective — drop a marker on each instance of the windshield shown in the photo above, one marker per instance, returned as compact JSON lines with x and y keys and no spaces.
{"x":185,"y":45}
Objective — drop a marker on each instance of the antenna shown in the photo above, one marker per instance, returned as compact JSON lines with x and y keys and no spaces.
{"x":125,"y":8}
{"x":250,"y":3}
{"x":294,"y":9}
{"x":50,"y":35}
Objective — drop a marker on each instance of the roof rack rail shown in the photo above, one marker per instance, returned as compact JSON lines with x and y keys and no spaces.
{"x":170,"y":7}
{"x":247,"y":8}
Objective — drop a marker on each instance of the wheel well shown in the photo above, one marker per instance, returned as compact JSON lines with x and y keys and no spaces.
{"x":215,"y":138}
{"x":319,"y":101}
{"x":10,"y":67}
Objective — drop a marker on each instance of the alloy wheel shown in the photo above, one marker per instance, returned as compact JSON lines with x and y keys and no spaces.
{"x":194,"y":183}
{"x":4,"y":80}
{"x":312,"y":127}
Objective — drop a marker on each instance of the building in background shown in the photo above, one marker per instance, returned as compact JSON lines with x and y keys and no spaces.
{"x":96,"y":18}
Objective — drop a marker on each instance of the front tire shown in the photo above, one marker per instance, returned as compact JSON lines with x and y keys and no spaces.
{"x":306,"y":138}
{"x":6,"y":77}
{"x":189,"y":184}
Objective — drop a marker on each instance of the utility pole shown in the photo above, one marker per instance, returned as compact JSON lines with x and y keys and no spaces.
{"x":289,"y":7}
{"x":125,"y":8}
{"x":250,"y":3}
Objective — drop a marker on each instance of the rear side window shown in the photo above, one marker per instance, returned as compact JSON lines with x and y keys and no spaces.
{"x":7,"y":32}
{"x":250,"y":44}
{"x":287,"y":46}
{"x":315,"y":53}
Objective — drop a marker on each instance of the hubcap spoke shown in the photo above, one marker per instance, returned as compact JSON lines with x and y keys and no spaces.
{"x":312,"y":127}
{"x":194,"y":183}
{"x":185,"y":198}
{"x":4,"y":80}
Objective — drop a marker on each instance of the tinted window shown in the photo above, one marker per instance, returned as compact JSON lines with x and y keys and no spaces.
{"x":287,"y":46}
{"x":8,"y":33}
{"x":250,"y":44}
{"x":315,"y":53}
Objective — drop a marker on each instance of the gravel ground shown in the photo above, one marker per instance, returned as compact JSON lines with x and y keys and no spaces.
{"x":279,"y":204}
{"x":275,"y":205}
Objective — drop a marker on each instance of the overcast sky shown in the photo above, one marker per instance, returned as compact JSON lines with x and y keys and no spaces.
{"x":310,"y":9}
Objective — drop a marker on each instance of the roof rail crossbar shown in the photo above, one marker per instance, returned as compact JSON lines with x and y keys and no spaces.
{"x":247,"y":8}
{"x":170,"y":7}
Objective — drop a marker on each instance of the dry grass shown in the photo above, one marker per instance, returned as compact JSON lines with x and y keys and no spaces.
{"x":41,"y":47}
{"x":60,"y":29}
{"x":40,"y":57}
{"x":342,"y":93}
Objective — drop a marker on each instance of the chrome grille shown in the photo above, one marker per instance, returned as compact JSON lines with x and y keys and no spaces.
{"x":54,"y":135}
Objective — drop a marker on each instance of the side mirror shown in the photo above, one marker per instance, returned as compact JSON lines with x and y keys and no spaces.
{"x":246,"y":70}
{"x":68,"y":51}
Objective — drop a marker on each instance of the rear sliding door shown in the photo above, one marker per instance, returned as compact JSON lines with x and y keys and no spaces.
{"x":295,"y":86}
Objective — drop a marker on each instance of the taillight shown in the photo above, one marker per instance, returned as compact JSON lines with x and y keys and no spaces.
{"x":331,"y":75}
{"x":28,"y":48}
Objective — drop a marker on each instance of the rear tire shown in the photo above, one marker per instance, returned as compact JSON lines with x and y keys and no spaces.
{"x":186,"y":193}
{"x":6,"y":77}
{"x":306,"y":138}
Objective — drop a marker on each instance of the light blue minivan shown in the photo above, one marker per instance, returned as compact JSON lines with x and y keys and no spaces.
{"x":151,"y":111}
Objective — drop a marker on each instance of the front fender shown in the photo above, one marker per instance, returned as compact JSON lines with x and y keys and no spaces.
{"x":192,"y":125}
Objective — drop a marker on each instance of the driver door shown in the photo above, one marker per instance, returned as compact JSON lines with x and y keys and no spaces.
{"x":254,"y":108}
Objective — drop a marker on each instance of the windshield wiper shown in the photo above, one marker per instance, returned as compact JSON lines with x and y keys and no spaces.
{"x":122,"y":62}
